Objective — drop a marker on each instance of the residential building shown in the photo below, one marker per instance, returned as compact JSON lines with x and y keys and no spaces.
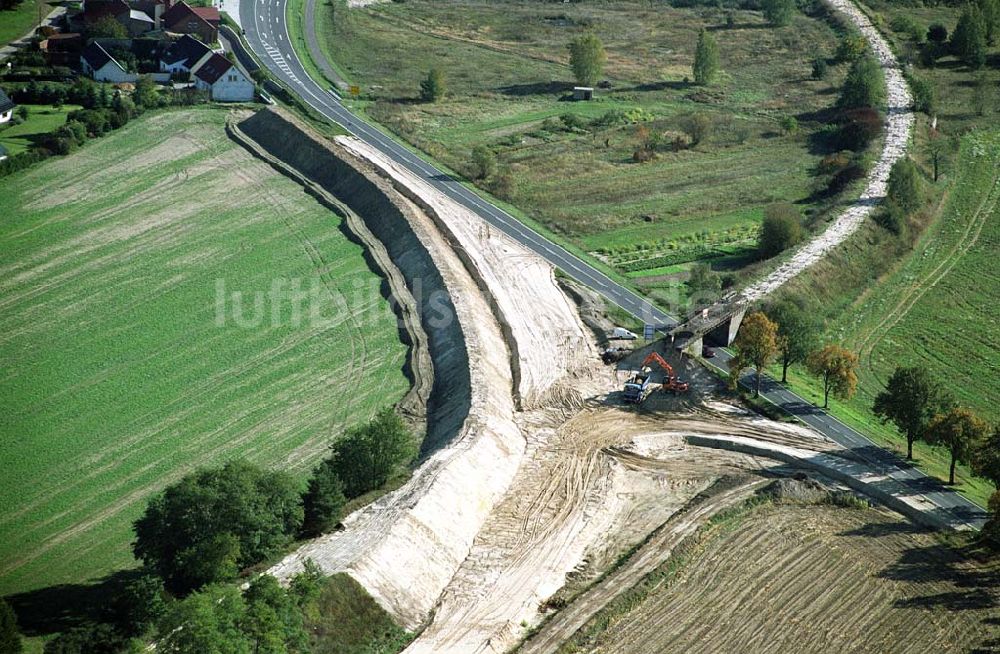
{"x":184,"y":55}
{"x":6,"y":107}
{"x":183,"y":19}
{"x":225,"y":81}
{"x":101,"y":66}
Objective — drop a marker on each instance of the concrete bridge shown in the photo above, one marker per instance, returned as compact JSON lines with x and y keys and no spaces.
{"x":716,"y":324}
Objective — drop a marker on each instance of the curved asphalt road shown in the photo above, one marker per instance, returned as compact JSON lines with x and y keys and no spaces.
{"x":263,"y":22}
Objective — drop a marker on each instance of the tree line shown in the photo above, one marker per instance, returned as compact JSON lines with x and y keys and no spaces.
{"x":916,"y":403}
{"x":204,"y":531}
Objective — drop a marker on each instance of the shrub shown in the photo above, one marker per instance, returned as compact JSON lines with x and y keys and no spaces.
{"x":859,"y":127}
{"x":819,"y":68}
{"x":697,"y":126}
{"x":903,"y":188}
{"x":937,"y":33}
{"x":909,"y":27}
{"x":573,"y":121}
{"x":781,"y":229}
{"x":851,"y":47}
{"x":778,"y":12}
{"x":484,"y":161}
{"x":923,"y":94}
{"x":789,"y":125}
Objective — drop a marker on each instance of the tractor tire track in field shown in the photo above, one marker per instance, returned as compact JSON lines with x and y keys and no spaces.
{"x":912,"y":293}
{"x":837,"y":580}
{"x":650,"y":555}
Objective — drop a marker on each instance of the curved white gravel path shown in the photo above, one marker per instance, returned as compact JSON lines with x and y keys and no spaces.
{"x":899,"y":125}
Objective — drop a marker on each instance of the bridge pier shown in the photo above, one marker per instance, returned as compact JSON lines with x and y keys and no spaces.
{"x":725,"y":333}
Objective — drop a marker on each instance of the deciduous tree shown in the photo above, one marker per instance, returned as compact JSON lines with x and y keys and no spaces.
{"x":780,"y":230}
{"x":756,"y":345}
{"x":778,"y":12}
{"x":367,"y":456}
{"x":213,"y":522}
{"x":837,"y":367}
{"x":323,"y":502}
{"x":864,"y":85}
{"x":798,"y":332}
{"x":485,"y":161}
{"x":706,"y":59}
{"x":909,"y":401}
{"x":960,"y":431}
{"x":587,"y":58}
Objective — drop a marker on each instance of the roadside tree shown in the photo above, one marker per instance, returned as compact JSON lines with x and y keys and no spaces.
{"x":706,"y":59}
{"x":837,"y":368}
{"x":960,"y":431}
{"x":798,"y":332}
{"x":756,"y":345}
{"x":909,"y":401}
{"x":587,"y":58}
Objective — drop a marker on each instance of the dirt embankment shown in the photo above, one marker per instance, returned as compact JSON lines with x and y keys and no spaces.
{"x":319,"y":164}
{"x":405,"y":547}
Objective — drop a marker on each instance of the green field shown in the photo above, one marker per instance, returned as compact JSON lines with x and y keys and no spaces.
{"x":16,"y":22}
{"x":508,"y":78}
{"x":121,"y":372}
{"x":42,"y":119}
{"x":938,"y":309}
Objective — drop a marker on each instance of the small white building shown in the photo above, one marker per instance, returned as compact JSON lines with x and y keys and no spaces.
{"x":102,"y":67}
{"x":6,"y":107}
{"x":225,"y":81}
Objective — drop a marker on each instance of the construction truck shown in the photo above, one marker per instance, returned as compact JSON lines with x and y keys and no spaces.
{"x":637,"y":388}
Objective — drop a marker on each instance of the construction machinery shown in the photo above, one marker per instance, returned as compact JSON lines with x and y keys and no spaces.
{"x":637,"y":388}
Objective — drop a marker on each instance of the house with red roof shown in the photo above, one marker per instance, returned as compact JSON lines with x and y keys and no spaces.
{"x":183,"y":19}
{"x":223,"y":79}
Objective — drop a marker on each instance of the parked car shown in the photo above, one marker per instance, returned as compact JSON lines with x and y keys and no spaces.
{"x":707,"y":352}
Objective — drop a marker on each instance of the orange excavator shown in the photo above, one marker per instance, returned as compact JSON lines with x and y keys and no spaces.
{"x":637,"y":387}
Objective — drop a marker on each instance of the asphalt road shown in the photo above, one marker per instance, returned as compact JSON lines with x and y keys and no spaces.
{"x":263,"y":22}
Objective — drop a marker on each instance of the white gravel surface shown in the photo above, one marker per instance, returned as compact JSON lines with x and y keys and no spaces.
{"x":899,"y":125}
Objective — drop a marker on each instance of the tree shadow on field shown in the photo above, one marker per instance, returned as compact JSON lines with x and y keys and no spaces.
{"x":942,"y":575}
{"x":62,"y":607}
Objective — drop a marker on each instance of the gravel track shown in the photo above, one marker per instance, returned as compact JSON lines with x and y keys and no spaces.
{"x":898,"y":128}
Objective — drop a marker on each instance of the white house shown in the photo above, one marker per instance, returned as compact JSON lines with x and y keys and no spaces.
{"x":226,"y":82}
{"x":100,"y":65}
{"x":6,"y":107}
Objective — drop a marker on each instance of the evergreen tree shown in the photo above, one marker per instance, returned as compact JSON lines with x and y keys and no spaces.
{"x":968,"y":41}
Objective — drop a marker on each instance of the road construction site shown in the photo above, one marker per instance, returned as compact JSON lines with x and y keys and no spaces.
{"x":537,"y":477}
